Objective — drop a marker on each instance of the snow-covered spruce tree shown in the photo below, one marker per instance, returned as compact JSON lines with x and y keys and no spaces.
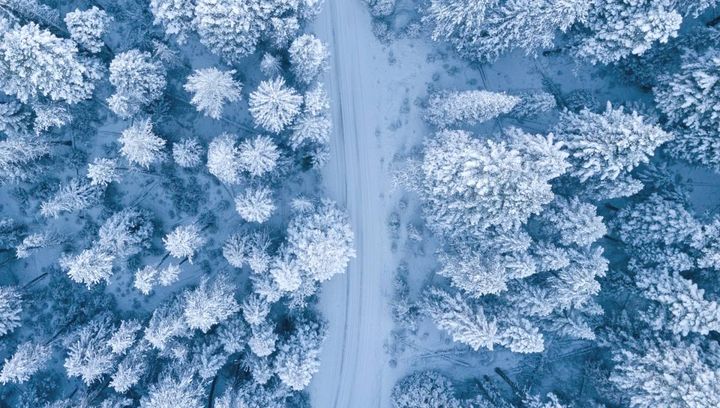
{"x":89,"y":355}
{"x":270,"y":65}
{"x":10,"y":309}
{"x":184,"y":241}
{"x":308,"y":58}
{"x":21,"y":158}
{"x":34,"y":62}
{"x":530,"y":25}
{"x":187,"y":153}
{"x":464,"y":323}
{"x":212,"y":89}
{"x":263,"y":341}
{"x":74,"y":196}
{"x":619,"y":28}
{"x":129,"y":370}
{"x":321,"y":241}
{"x":223,"y":160}
{"x":469,"y":185}
{"x":255,"y":309}
{"x":126,"y":233}
{"x":174,"y":391}
{"x":255,"y":204}
{"x":233,"y":28}
{"x":313,"y":126}
{"x":298,"y":356}
{"x":140,"y":145}
{"x":28,"y":359}
{"x":124,"y":336}
{"x":690,"y":99}
{"x":606,"y":145}
{"x":652,"y":373}
{"x":145,"y":279}
{"x":572,"y":222}
{"x":532,"y":104}
{"x":175,"y":16}
{"x":258,"y":155}
{"x":87,"y":27}
{"x":425,"y":389}
{"x":138,"y":81}
{"x":446,"y":109}
{"x":166,"y":323}
{"x":90,"y":266}
{"x":49,"y":115}
{"x":283,"y":30}
{"x":14,"y":119}
{"x":274,"y":106}
{"x":458,"y":22}
{"x":212,"y":302}
{"x":102,"y":172}
{"x":655,"y":221}
{"x":690,"y":312}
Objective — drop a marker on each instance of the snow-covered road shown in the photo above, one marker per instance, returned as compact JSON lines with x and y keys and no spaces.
{"x":354,"y":368}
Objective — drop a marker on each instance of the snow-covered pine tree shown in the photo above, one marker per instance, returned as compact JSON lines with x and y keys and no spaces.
{"x":140,"y":145}
{"x":653,"y":372}
{"x":255,"y":204}
{"x":690,"y":99}
{"x":530,"y":25}
{"x":21,"y":158}
{"x":28,"y":359}
{"x":187,"y":153}
{"x":273,"y":105}
{"x":212,"y":89}
{"x":223,"y":161}
{"x":467,"y":108}
{"x":126,"y":233}
{"x":321,"y":241}
{"x":606,"y":145}
{"x":34,"y":62}
{"x":690,"y":312}
{"x":458,"y":22}
{"x":263,"y":340}
{"x":88,"y":354}
{"x":184,"y":241}
{"x":655,"y":221}
{"x":464,"y":323}
{"x":298,"y":356}
{"x":308,"y":58}
{"x":129,"y":370}
{"x":174,"y":391}
{"x":471,"y":185}
{"x":233,"y":28}
{"x":74,"y":196}
{"x":572,"y":222}
{"x":425,"y":389}
{"x":10,"y":309}
{"x":138,"y":81}
{"x":255,"y":309}
{"x":620,"y":28}
{"x":124,"y":336}
{"x":89,"y":267}
{"x":210,"y":303}
{"x":175,"y":16}
{"x":167,"y":322}
{"x":87,"y":27}
{"x":102,"y":172}
{"x":258,"y":156}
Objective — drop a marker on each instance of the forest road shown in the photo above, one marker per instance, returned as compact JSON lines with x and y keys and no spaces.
{"x":353,"y":367}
